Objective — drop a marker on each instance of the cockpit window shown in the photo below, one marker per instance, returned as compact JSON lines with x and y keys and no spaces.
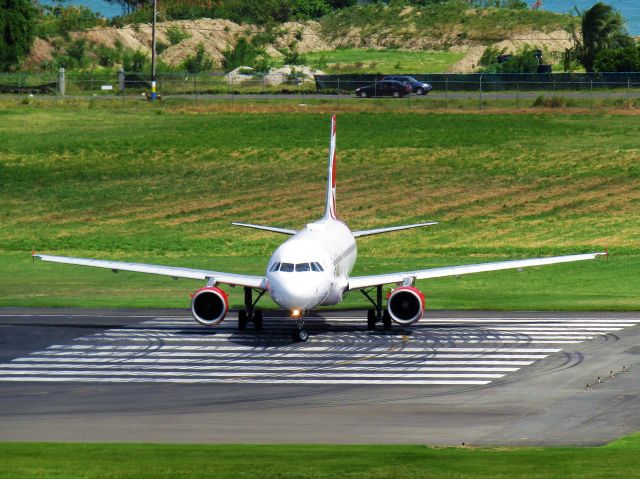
{"x":302,"y":267}
{"x":314,"y":266}
{"x":275,"y":266}
{"x":318,"y":266}
{"x":286,"y":267}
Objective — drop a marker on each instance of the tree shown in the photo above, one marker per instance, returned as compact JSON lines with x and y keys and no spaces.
{"x":200,"y":62}
{"x":625,"y":59}
{"x":128,"y":6}
{"x":16,"y":32}
{"x":602,"y":27}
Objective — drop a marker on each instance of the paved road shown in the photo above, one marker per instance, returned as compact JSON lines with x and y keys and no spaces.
{"x":473,"y":377}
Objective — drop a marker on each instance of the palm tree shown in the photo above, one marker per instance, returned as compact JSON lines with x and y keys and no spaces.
{"x":602,"y":27}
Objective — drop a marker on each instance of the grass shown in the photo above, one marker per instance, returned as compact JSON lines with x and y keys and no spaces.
{"x":368,"y":60}
{"x":114,"y":461}
{"x":162,"y":184}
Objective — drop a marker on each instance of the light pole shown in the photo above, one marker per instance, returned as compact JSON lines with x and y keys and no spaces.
{"x":153,"y":50}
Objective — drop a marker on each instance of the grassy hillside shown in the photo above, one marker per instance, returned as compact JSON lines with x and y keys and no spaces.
{"x":446,"y":24}
{"x":163,"y":185}
{"x":614,"y":460}
{"x":391,"y":61}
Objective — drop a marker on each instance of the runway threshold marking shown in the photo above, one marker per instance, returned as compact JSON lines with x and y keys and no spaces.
{"x":469,"y":351}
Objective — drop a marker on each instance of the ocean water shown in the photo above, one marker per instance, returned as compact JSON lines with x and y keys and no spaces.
{"x":629,"y":8}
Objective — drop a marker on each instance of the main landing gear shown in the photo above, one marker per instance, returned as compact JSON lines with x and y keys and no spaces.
{"x":377,"y":315}
{"x":249,"y":314}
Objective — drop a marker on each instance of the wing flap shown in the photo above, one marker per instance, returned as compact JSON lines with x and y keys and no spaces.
{"x":172,"y":271}
{"x":359,"y":282}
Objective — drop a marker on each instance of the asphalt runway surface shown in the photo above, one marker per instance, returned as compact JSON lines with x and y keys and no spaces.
{"x":482,"y":378}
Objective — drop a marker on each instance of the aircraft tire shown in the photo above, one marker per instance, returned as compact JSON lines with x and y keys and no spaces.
{"x":242,"y":320}
{"x":386,"y":320}
{"x":371,"y":320}
{"x":257,"y":320}
{"x":300,"y":335}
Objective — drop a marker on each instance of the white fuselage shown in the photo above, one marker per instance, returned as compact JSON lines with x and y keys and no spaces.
{"x":312,"y":267}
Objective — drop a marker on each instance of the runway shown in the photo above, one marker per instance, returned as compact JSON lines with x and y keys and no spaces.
{"x":474,"y":377}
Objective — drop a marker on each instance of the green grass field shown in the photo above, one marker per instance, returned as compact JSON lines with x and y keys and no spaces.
{"x":162,"y":184}
{"x":368,"y":60}
{"x":115,"y":461}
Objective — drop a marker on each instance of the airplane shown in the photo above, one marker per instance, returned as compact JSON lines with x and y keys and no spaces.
{"x":312,"y":268}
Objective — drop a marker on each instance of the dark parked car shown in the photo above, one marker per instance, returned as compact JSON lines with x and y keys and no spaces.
{"x":384,"y":88}
{"x":418,"y":87}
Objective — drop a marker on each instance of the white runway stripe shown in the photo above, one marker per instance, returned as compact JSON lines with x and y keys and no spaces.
{"x":169,"y":336}
{"x":217,"y":348}
{"x":35,"y":362}
{"x":461,"y":351}
{"x":324,"y":381}
{"x":272,"y":368}
{"x":204,"y":357}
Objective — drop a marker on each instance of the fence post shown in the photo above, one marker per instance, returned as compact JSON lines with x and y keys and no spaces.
{"x":517,"y":95}
{"x":480,"y":92}
{"x":61,"y":84}
{"x":446,"y":93}
{"x":121,"y":83}
{"x":629,"y":92}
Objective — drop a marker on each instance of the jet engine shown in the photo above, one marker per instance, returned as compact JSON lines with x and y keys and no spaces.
{"x":209,"y":305}
{"x":406,"y":305}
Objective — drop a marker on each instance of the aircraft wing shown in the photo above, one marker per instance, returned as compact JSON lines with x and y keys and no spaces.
{"x":259,"y":282}
{"x":377,"y":231}
{"x":359,"y":282}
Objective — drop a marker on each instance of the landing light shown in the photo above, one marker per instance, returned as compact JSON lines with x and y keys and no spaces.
{"x":295,"y":313}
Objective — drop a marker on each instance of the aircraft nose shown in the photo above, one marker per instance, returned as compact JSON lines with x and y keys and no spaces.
{"x":292,"y":292}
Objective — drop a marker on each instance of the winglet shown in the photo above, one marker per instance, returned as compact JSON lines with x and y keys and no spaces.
{"x":330,"y":207}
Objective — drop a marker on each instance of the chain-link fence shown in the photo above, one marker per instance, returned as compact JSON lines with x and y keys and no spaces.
{"x":443,"y":91}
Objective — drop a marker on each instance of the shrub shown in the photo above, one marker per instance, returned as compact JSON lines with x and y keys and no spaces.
{"x":108,"y":57}
{"x":160,"y":47}
{"x":293,"y":57}
{"x":553,"y":102}
{"x":309,"y":9}
{"x":199,"y":62}
{"x":134,"y":62}
{"x":625,"y":59}
{"x":524,"y":61}
{"x":244,"y":54}
{"x":175,"y":35}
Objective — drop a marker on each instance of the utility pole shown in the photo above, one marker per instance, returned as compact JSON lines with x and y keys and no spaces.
{"x":153,"y":50}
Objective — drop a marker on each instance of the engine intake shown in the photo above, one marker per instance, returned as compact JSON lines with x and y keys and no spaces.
{"x":406,"y":305}
{"x":209,"y":305}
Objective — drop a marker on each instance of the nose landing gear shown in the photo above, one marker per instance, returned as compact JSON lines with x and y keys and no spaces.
{"x":299,"y":335}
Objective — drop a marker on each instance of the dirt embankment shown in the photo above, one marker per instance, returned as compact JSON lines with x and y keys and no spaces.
{"x":216,"y":35}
